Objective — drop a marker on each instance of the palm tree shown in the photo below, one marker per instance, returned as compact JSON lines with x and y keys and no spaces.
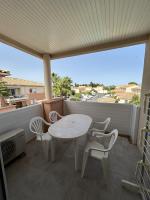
{"x":61,"y":85}
{"x":135,"y":100}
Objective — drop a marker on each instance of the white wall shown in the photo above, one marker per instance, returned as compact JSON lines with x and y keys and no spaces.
{"x":26,"y":90}
{"x":19,"y":118}
{"x":124,"y":116}
{"x":135,"y":123}
{"x":144,"y":90}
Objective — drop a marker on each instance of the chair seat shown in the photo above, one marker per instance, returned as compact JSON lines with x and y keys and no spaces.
{"x":96,"y":129}
{"x":97,"y":133}
{"x":95,"y":153}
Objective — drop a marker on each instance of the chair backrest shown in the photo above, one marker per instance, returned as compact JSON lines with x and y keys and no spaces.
{"x":36,"y":125}
{"x":53,"y":116}
{"x":107,"y":123}
{"x":113,"y":137}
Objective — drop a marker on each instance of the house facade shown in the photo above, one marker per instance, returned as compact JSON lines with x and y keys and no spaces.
{"x":20,"y":87}
{"x":125,"y":93}
{"x":86,"y":89}
{"x":129,"y":88}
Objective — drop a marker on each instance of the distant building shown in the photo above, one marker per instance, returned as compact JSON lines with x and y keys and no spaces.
{"x":86,"y":89}
{"x":136,"y":89}
{"x":20,"y":87}
{"x":100,"y":89}
{"x":82,"y":89}
{"x":124,"y":97}
{"x":129,"y":88}
{"x":125,"y":93}
{"x":76,"y":89}
{"x":106,"y":100}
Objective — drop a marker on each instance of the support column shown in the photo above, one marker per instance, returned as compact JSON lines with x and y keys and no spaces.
{"x":47,"y":76}
{"x":145,"y":88}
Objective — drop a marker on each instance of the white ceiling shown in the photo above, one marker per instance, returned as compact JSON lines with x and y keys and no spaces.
{"x":56,"y":26}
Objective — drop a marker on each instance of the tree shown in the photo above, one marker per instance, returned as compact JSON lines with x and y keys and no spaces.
{"x":66,"y":84}
{"x":4,"y":92}
{"x":76,"y":97}
{"x":56,"y":84}
{"x":132,"y":83}
{"x":110,"y":89}
{"x":91,"y":84}
{"x":76,"y":85}
{"x":95,"y":84}
{"x":73,"y":92}
{"x":135,"y":100}
{"x":61,"y":85}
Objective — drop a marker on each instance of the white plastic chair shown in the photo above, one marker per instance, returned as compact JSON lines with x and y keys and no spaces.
{"x":95,"y":149}
{"x":54,"y":116}
{"x":100,"y":127}
{"x":36,"y":126}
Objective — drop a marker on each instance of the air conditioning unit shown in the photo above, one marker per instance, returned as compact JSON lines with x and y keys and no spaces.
{"x":12,"y":144}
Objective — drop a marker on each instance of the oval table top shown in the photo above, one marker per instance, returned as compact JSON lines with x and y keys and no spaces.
{"x":71,"y":126}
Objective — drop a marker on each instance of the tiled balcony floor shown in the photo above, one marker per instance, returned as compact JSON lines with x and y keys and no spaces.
{"x":33,"y":178}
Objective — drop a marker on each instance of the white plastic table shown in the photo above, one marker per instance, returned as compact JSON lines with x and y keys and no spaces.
{"x":70,"y":127}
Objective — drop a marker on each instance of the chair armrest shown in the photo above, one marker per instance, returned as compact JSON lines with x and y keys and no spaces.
{"x":59,"y":115}
{"x":99,"y":133}
{"x":47,"y":123}
{"x":37,"y":133}
{"x":103,"y":134}
{"x":100,"y":122}
{"x":101,"y":150}
{"x":98,"y":130}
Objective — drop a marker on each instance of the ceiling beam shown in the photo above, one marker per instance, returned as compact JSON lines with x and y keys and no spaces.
{"x":102,"y":47}
{"x":78,"y":51}
{"x":11,"y":42}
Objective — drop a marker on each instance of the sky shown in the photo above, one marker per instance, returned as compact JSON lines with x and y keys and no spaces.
{"x":113,"y":67}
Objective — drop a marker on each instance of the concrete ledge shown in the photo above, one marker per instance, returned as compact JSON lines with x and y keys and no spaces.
{"x":125,"y":117}
{"x":20,"y":118}
{"x":7,"y":108}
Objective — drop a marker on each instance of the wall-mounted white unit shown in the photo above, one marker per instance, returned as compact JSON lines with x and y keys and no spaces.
{"x":12,"y":144}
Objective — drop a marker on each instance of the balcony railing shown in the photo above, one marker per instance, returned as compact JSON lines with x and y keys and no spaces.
{"x":20,"y":118}
{"x":125,"y":117}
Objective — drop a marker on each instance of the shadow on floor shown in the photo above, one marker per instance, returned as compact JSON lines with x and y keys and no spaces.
{"x":33,"y":178}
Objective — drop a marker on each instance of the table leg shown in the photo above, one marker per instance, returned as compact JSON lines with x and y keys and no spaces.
{"x":52,"y":145}
{"x":76,"y":155}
